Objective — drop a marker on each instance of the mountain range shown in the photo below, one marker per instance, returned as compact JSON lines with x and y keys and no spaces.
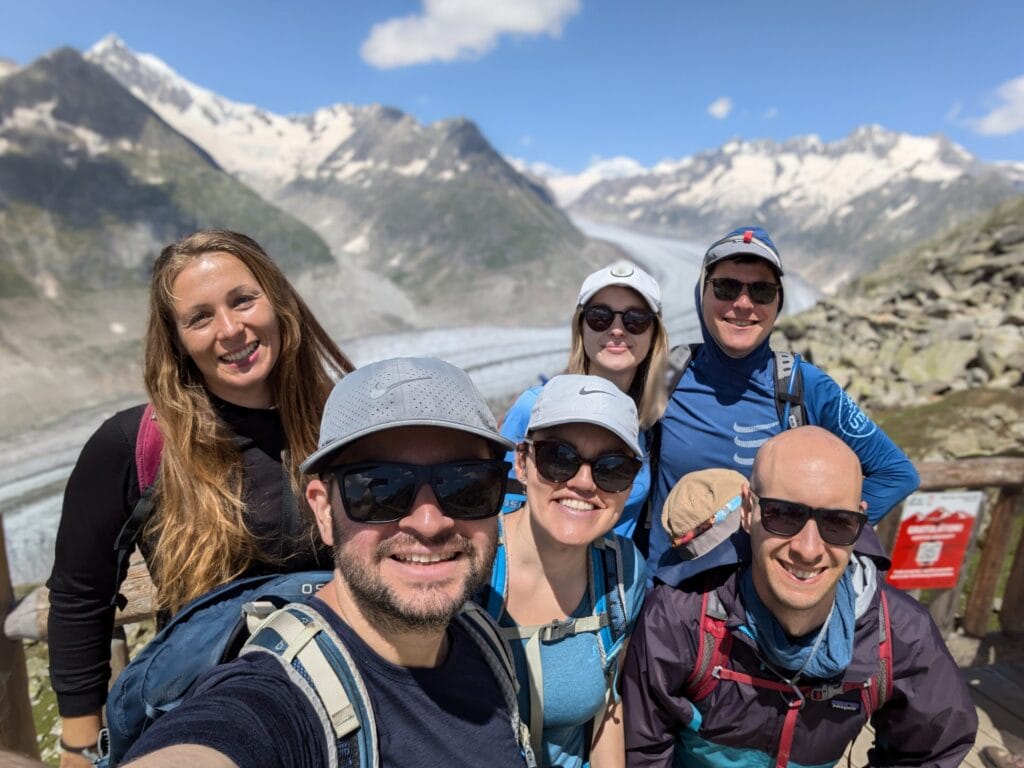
{"x":835,"y":209}
{"x":433,"y":208}
{"x":94,"y":182}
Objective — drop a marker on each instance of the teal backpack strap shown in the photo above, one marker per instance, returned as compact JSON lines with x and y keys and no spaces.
{"x":789,"y":391}
{"x":319,"y":665}
{"x":487,"y":635}
{"x":610,"y":604}
{"x":496,"y":592}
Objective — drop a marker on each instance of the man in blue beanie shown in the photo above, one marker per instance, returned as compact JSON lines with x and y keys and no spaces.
{"x":725,"y":404}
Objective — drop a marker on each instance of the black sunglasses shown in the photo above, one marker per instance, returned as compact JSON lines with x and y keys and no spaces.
{"x":383,"y":491}
{"x":729,"y":289}
{"x":600,"y":318}
{"x":559,"y":462}
{"x":838,"y":527}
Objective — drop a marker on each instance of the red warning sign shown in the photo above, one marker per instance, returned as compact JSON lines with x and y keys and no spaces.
{"x":935,"y":530}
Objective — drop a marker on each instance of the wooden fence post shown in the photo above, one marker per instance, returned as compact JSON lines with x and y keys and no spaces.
{"x":1011,"y":615}
{"x":17,"y":727}
{"x":978,"y":611}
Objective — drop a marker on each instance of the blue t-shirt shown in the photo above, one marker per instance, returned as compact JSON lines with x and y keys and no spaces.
{"x":251,"y":712}
{"x":514,"y":428}
{"x":575,"y":681}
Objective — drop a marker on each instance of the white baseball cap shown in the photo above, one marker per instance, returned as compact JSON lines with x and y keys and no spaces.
{"x":624,"y":273}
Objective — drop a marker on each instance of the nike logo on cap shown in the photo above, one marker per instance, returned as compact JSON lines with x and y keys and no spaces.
{"x":585,"y":391}
{"x":378,"y":391}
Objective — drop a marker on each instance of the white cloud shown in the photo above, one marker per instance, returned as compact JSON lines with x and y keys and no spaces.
{"x":953,"y":112}
{"x":720,"y":108}
{"x":1008,"y":116}
{"x":770,"y":114}
{"x":448,"y":30}
{"x":526,"y":140}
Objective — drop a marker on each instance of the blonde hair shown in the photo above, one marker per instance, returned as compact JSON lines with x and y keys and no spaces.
{"x":198,"y":534}
{"x":648,"y":386}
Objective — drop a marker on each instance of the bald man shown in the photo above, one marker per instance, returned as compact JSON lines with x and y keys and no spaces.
{"x":782,"y":657}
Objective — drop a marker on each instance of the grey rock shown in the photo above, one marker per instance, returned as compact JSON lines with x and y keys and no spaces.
{"x":936,"y":366}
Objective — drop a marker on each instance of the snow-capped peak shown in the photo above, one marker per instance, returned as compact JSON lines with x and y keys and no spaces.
{"x":257,"y":145}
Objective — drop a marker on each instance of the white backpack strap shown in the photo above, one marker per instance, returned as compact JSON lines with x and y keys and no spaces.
{"x":297,"y":627}
{"x":491,"y":640}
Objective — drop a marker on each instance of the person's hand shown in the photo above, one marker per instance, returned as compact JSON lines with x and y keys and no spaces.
{"x":72,"y":760}
{"x":80,"y":730}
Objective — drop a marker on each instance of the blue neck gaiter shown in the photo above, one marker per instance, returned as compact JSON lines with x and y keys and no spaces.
{"x":824,"y":654}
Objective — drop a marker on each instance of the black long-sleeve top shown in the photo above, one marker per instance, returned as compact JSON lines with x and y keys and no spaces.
{"x":100,"y":495}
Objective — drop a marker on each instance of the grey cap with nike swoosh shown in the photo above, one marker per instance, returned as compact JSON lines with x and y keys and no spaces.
{"x":572,"y":399}
{"x":402,"y":392}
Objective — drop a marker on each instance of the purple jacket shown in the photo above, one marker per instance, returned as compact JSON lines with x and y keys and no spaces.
{"x":929,"y":719}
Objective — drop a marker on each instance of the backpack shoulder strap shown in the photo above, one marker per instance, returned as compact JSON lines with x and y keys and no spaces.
{"x":149,"y":445}
{"x":713,"y":647}
{"x":675,"y":366}
{"x":319,"y":665}
{"x":789,"y":391}
{"x":879,"y":688}
{"x":610,"y":594}
{"x":495,"y":592}
{"x":679,"y":358}
{"x":486,"y":633}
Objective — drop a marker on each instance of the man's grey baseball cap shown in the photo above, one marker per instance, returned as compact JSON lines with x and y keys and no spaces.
{"x":402,"y":392}
{"x":572,"y":398}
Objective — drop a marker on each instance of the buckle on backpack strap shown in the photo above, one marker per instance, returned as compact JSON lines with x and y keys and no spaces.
{"x":556,"y":630}
{"x":825,"y":692}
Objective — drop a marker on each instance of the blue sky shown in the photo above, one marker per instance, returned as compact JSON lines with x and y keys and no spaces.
{"x":564,"y":82}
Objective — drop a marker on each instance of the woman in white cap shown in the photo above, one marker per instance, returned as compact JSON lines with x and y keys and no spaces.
{"x":617,"y":334}
{"x":565,"y":589}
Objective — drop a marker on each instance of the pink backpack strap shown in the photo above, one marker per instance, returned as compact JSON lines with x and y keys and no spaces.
{"x":149,"y":445}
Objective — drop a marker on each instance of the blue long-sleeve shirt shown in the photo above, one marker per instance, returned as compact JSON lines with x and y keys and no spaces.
{"x":723,"y":409}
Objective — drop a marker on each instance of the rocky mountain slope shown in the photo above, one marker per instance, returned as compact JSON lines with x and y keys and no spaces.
{"x":938,"y":330}
{"x":432,"y":207}
{"x":92,"y":185}
{"x":836,"y":209}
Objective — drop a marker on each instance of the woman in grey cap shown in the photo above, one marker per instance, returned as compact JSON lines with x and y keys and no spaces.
{"x":617,"y":334}
{"x":565,"y":588}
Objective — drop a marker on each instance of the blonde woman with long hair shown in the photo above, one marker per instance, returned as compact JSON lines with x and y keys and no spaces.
{"x":237,"y":370}
{"x":617,"y":334}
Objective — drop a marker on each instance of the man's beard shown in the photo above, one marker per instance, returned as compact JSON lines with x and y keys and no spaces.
{"x":431,"y":608}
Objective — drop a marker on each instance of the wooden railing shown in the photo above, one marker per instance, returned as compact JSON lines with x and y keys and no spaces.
{"x":27,"y":620}
{"x":1005,"y":476}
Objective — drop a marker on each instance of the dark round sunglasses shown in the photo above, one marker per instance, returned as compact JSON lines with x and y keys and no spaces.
{"x":729,"y":289}
{"x":838,"y":527}
{"x":383,"y":492}
{"x":600,"y":318}
{"x":559,"y":462}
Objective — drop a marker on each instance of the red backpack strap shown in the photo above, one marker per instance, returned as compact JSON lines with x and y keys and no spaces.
{"x":149,"y":445}
{"x":713,"y":648}
{"x":879,"y":687}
